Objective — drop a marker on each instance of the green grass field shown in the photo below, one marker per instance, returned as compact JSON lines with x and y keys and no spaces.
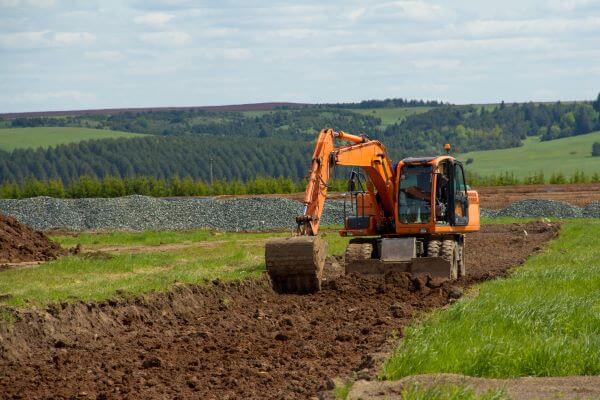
{"x":565,"y":155}
{"x":192,"y":257}
{"x":391,"y":115}
{"x":544,"y":320}
{"x":20,"y":138}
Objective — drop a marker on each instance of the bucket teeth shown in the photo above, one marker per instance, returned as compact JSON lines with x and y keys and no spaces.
{"x":295,"y":264}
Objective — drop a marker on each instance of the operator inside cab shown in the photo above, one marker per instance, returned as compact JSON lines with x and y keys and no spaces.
{"x":414,"y":197}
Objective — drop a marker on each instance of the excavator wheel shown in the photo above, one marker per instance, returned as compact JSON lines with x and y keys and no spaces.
{"x":449,"y":252}
{"x":358,"y":252}
{"x":295,"y":264}
{"x":433,"y":248}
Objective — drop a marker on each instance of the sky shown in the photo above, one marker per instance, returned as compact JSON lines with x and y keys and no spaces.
{"x":81,"y":54}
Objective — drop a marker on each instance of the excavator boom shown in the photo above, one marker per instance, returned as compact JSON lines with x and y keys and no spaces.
{"x":362,"y":152}
{"x":295,"y":264}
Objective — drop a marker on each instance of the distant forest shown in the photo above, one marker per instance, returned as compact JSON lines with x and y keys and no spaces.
{"x":278,"y":143}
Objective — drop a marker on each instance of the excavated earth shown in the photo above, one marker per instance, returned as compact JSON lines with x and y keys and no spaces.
{"x":235,"y":340}
{"x":19,"y":243}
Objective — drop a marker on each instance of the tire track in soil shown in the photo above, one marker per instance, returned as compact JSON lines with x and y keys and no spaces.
{"x":234,"y":340}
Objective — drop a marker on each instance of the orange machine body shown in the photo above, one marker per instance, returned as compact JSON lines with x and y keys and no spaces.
{"x":378,"y":207}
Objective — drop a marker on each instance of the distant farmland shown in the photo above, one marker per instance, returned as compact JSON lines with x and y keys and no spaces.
{"x":22,"y":138}
{"x":565,"y":155}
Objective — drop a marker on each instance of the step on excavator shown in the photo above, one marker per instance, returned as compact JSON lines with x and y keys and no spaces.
{"x":410,"y":217}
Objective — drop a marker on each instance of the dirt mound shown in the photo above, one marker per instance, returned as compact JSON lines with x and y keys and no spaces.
{"x":229,"y":341}
{"x":19,"y":243}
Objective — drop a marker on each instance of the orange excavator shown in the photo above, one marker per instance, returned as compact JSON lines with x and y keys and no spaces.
{"x":409,"y":217}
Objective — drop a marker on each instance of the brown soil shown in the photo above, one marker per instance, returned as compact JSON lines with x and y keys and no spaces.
{"x":579,"y":194}
{"x":234,"y":340}
{"x":564,"y":387}
{"x":19,"y":243}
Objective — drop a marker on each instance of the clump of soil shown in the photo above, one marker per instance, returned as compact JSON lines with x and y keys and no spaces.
{"x":20,"y":243}
{"x":234,"y":340}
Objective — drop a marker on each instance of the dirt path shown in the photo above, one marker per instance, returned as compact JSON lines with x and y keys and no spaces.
{"x":528,"y":388}
{"x":235,"y":340}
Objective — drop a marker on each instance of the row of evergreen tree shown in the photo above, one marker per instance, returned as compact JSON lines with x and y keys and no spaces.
{"x":162,"y":157}
{"x":115,"y":186}
{"x":509,"y":179}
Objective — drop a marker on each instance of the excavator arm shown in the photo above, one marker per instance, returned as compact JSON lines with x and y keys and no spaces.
{"x":295,"y":264}
{"x":362,"y":152}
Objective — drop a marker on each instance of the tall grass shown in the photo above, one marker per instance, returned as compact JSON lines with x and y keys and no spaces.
{"x":544,"y":320}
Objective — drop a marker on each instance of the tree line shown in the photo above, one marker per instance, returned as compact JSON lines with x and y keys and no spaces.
{"x":471,"y":128}
{"x":115,"y":186}
{"x":539,"y":178}
{"x":386,"y":103}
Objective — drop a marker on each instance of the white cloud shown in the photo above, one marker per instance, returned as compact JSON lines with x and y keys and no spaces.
{"x":236,"y":54}
{"x":530,"y":27}
{"x":166,"y":39}
{"x":570,"y":5}
{"x":451,"y":46}
{"x":416,"y":10}
{"x":219,"y":32}
{"x":25,"y":3}
{"x":105,"y":55}
{"x":233,"y":53}
{"x":356,"y":14}
{"x":156,"y":19}
{"x":39,"y":97}
{"x":44,"y":39}
{"x":438,"y":64}
{"x":72,"y":38}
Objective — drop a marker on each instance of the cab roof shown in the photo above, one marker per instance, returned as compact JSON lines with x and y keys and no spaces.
{"x":426,"y":160}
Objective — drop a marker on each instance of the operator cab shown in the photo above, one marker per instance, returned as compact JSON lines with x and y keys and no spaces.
{"x":430,"y":180}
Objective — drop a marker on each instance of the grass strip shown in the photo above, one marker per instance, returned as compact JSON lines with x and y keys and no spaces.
{"x":99,"y":276}
{"x":544,"y":320}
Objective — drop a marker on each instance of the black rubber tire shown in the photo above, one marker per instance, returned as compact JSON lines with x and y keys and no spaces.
{"x":448,"y":252}
{"x":433,"y":248}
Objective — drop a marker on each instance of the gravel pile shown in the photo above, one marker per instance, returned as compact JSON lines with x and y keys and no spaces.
{"x":247,"y":214}
{"x":544,"y":208}
{"x":148,"y":213}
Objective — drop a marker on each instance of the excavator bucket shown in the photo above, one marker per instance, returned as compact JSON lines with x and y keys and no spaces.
{"x":295,"y":264}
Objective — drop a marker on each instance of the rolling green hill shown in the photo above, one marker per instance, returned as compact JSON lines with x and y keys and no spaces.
{"x":561,"y":155}
{"x":21,"y":138}
{"x":391,"y":115}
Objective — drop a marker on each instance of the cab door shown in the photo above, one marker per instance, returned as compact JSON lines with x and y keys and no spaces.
{"x":460,"y":199}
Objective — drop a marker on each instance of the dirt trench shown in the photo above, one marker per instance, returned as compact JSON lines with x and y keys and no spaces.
{"x":233,"y":340}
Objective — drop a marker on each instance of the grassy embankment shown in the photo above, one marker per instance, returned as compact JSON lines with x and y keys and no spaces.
{"x":565,"y":156}
{"x":189,"y":257}
{"x":21,"y":138}
{"x":544,"y":320}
